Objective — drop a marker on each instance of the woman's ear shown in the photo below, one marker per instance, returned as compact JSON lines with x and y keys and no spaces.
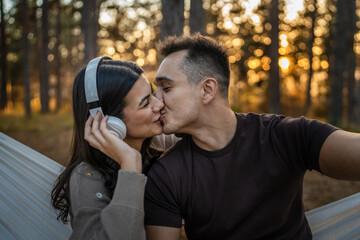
{"x":209,"y":89}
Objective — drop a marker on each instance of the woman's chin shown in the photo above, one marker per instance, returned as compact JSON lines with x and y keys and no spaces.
{"x":158,"y":131}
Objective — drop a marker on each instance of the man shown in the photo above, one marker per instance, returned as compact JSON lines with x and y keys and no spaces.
{"x":233,"y":176}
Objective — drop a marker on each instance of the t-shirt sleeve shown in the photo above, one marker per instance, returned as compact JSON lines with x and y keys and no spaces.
{"x":162,"y":207}
{"x":298,"y":141}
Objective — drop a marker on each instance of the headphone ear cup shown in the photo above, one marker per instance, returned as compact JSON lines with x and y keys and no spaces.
{"x":117,"y":127}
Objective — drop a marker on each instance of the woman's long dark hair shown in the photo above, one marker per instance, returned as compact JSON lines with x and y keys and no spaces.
{"x":114,"y":81}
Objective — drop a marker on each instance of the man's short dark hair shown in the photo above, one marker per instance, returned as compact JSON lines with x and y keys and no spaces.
{"x":205,"y":58}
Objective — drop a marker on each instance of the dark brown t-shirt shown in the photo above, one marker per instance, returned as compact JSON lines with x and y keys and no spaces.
{"x":250,"y":189}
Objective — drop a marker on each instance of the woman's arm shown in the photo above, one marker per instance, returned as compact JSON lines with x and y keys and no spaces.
{"x":97,"y":216}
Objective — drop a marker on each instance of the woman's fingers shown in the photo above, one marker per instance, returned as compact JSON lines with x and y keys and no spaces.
{"x":87,"y":131}
{"x":103,"y":126}
{"x":88,"y":136}
{"x":95,"y":129}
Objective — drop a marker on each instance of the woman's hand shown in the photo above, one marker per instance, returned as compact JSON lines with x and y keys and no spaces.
{"x":99,"y":137}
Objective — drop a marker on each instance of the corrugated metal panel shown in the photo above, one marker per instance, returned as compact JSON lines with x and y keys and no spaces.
{"x":337,"y":220}
{"x":26,"y":180}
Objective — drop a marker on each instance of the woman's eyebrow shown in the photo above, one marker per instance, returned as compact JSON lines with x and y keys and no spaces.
{"x":143,"y":99}
{"x":147,"y":96}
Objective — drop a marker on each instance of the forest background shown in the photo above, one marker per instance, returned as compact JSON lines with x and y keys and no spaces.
{"x":292,"y":57}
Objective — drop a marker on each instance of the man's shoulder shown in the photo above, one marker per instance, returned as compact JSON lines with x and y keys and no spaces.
{"x":262,"y":116}
{"x":172,"y":159}
{"x":174,"y":151}
{"x":248,"y":120}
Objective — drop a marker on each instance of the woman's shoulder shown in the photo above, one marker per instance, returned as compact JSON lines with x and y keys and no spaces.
{"x":86,"y":170}
{"x":86,"y":181}
{"x":87,"y":190}
{"x":84,"y":176}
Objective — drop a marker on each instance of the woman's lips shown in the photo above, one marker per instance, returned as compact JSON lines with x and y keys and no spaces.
{"x":162,"y":117}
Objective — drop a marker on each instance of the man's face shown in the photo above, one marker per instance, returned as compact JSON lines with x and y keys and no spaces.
{"x":180,"y":99}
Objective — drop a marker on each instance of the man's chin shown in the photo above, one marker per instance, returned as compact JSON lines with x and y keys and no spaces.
{"x":166,"y":130}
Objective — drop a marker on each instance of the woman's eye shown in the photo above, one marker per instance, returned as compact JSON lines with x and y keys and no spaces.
{"x":147,"y":103}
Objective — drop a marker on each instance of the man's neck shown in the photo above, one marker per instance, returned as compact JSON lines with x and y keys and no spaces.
{"x":215,"y":129}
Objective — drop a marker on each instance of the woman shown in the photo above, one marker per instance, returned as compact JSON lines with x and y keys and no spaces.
{"x":104,"y":197}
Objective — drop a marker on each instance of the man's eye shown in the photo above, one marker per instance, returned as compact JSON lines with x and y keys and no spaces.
{"x":165,"y":89}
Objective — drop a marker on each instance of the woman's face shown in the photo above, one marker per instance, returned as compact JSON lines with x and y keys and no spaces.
{"x":142,"y":111}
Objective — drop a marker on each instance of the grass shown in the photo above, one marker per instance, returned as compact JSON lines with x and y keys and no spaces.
{"x":49,"y":134}
{"x":37,"y":122}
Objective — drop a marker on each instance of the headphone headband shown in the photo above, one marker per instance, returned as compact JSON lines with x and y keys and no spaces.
{"x":91,"y":92}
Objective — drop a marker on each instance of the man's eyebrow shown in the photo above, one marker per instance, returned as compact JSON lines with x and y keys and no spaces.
{"x":162,"y":78}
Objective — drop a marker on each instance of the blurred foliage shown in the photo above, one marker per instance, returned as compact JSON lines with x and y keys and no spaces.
{"x":130,"y":29}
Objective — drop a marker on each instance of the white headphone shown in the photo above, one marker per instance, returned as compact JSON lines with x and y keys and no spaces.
{"x":115,"y":125}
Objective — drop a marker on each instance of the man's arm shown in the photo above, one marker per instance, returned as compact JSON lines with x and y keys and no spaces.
{"x":340,"y":156}
{"x":162,"y":233}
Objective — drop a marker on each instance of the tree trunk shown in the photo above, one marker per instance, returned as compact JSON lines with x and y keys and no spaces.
{"x":173,"y":18}
{"x":340,"y":50}
{"x":274,"y":81}
{"x":310,"y":53}
{"x":357,"y":106}
{"x":26,"y":68}
{"x":3,"y":94}
{"x":58,"y":58}
{"x":351,"y":61}
{"x":90,"y":26}
{"x":44,"y":75}
{"x":197,"y":17}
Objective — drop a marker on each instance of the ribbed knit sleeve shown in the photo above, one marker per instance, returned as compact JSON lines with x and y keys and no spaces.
{"x":96,"y":216}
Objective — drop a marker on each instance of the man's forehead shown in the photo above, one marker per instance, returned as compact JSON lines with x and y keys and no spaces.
{"x":170,"y":67}
{"x":179,"y":54}
{"x":175,"y":58}
{"x":172,"y":61}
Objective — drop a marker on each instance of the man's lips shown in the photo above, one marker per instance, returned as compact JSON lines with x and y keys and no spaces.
{"x":162,"y":116}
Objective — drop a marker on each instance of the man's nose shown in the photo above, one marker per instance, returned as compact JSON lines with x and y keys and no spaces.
{"x":158,"y":95}
{"x":158,"y":105}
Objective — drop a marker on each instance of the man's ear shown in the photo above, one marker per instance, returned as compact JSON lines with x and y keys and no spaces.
{"x":209,"y":89}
